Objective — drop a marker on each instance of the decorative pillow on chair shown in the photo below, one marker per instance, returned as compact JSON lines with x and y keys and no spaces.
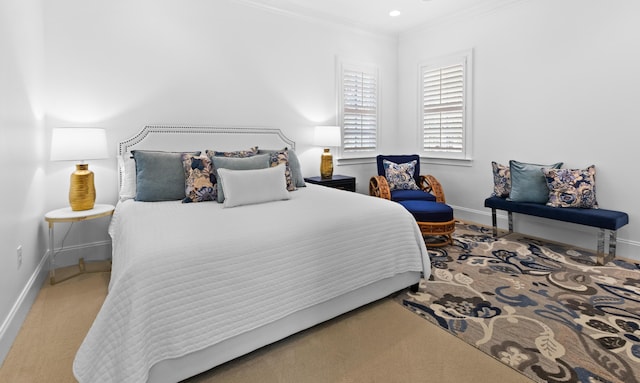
{"x":282,"y":157}
{"x":400,"y":176}
{"x":199,"y":179}
{"x":501,"y":180}
{"x":572,"y":187}
{"x":528,"y":183}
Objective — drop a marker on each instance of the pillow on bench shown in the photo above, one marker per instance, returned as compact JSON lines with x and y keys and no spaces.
{"x":528,"y":183}
{"x":501,"y":180}
{"x":545,"y":184}
{"x":572,"y":187}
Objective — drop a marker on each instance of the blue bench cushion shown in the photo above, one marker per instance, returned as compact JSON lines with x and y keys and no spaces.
{"x":428,"y":211}
{"x":406,"y":195}
{"x":601,"y":218}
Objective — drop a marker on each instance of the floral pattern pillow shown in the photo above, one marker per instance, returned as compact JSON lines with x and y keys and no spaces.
{"x":400,"y":176}
{"x":200,"y":183}
{"x":572,"y":187}
{"x":282,"y":157}
{"x":236,"y":153}
{"x":501,"y":180}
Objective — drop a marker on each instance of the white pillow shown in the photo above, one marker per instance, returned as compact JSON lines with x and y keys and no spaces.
{"x":127,"y":168}
{"x":245,"y":187}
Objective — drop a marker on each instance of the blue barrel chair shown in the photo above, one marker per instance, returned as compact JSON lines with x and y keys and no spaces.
{"x":424,"y":198}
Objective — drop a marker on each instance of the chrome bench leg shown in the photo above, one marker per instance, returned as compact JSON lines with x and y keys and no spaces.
{"x":603,"y":257}
{"x":494,"y":221}
{"x":510,"y":222}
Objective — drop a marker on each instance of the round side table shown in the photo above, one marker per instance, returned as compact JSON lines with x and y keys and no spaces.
{"x":68,"y":215}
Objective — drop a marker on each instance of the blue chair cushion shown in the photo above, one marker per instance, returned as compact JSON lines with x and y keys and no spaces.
{"x":428,"y":211}
{"x":406,"y":195}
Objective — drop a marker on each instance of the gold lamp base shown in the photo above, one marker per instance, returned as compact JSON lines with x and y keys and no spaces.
{"x":82,"y":191}
{"x":326,"y":165}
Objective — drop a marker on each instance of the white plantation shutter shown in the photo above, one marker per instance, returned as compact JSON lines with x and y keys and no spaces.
{"x":443,"y":108}
{"x":359,"y":109}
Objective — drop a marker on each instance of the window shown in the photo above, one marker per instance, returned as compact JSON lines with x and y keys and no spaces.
{"x":358,"y":109}
{"x":445,"y":107}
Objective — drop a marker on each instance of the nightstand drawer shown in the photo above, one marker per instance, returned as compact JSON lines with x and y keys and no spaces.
{"x":336,"y":181}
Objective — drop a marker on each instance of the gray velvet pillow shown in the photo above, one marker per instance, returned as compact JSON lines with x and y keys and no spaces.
{"x":528,"y":183}
{"x":260,"y":161}
{"x":159,"y":175}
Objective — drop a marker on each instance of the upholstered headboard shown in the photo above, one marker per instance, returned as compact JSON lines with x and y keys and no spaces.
{"x":189,"y":138}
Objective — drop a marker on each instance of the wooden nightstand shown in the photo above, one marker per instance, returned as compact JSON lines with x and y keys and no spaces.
{"x":68,"y":215}
{"x":337,"y":182}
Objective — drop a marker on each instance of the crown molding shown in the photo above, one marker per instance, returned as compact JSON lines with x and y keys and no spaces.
{"x":318,"y":17}
{"x":481,"y":9}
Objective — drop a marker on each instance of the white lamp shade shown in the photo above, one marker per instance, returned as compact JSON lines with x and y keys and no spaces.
{"x":326,"y":136}
{"x":78,"y":144}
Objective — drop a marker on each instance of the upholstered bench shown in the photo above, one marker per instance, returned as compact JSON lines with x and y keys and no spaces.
{"x":605,"y":220}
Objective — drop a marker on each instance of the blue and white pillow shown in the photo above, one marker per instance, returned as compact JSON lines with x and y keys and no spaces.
{"x":501,"y":180}
{"x":572,"y":187}
{"x":199,"y":182}
{"x":400,"y":176}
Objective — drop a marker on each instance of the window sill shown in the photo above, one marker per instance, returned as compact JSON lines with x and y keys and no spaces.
{"x":446,"y":161}
{"x":356,"y":160}
{"x":425,"y":160}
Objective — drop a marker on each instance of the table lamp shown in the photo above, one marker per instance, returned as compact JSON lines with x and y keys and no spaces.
{"x":79,"y":144}
{"x":326,"y":136}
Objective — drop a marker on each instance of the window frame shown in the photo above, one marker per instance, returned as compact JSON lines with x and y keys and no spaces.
{"x":342,"y":66}
{"x":466,"y":154}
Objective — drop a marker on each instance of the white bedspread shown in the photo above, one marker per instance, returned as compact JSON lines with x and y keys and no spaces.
{"x":187,"y":276}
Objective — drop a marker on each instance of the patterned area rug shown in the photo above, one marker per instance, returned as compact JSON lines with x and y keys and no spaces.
{"x":542,"y":308}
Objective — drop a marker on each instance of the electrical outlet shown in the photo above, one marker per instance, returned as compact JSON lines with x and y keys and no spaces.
{"x":19,"y":254}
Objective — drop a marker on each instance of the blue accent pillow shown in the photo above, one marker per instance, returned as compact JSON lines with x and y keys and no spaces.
{"x":501,"y":180}
{"x":282,"y":157}
{"x":528,"y":183}
{"x":260,"y":161}
{"x":199,"y":179}
{"x":159,"y":175}
{"x":572,"y":187}
{"x":235,"y":153}
{"x":400,"y":176}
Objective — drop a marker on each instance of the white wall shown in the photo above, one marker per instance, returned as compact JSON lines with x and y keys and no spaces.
{"x":122,"y":65}
{"x":553,"y":81}
{"x":22,"y":161}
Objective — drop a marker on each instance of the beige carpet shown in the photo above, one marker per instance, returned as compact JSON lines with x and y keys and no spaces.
{"x":381,"y":342}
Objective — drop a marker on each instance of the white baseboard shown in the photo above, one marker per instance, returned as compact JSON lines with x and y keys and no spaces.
{"x":12,"y":323}
{"x":95,"y":251}
{"x":564,"y":232}
{"x":68,"y":256}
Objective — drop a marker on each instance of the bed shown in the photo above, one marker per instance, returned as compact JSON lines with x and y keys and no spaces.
{"x":194,"y":285}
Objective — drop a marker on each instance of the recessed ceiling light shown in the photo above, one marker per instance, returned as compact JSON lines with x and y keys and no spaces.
{"x":394,"y":13}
